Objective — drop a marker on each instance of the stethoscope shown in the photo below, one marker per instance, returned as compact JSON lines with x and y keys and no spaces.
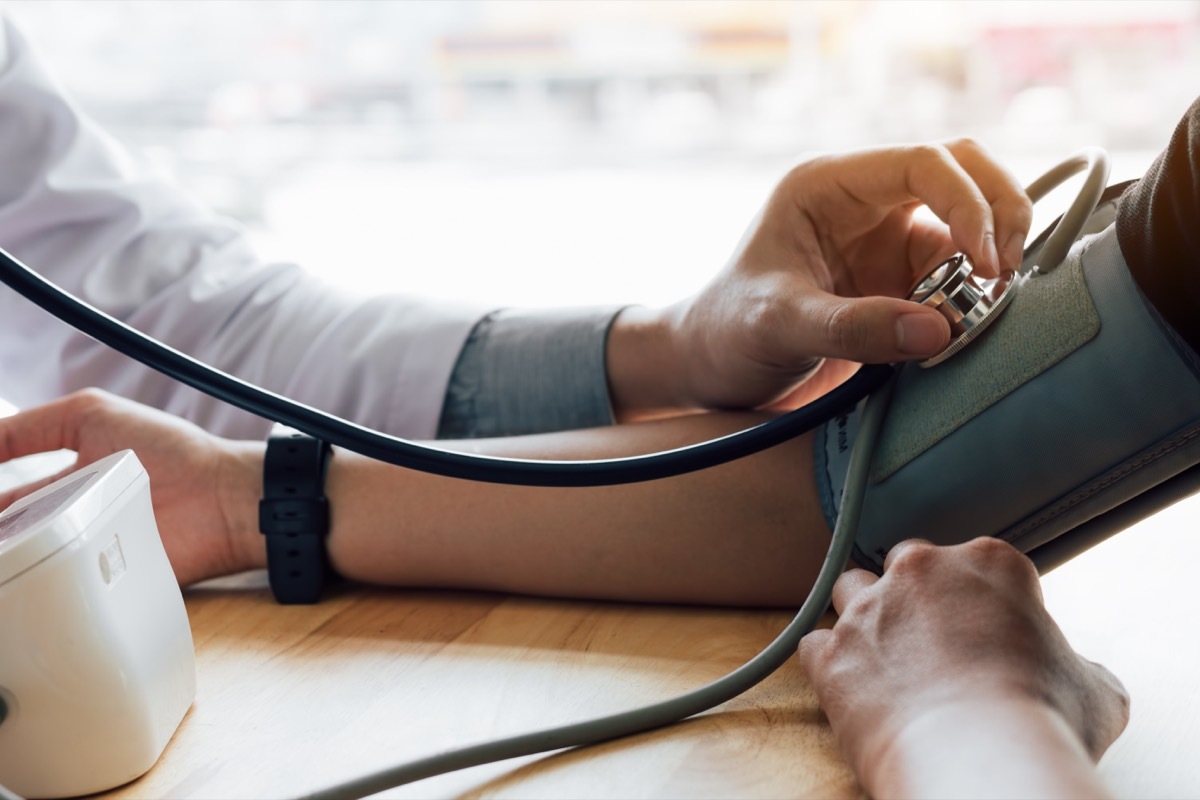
{"x":969,"y":304}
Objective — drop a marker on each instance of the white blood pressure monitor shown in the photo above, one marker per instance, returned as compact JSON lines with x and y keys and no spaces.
{"x":97,"y":667}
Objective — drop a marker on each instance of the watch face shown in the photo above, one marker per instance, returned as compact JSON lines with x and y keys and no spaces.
{"x":17,"y":522}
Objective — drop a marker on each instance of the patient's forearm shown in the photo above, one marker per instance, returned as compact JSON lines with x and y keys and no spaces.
{"x":748,"y":532}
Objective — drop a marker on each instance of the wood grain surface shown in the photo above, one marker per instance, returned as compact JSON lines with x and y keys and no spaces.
{"x":294,"y":698}
{"x":291,"y":699}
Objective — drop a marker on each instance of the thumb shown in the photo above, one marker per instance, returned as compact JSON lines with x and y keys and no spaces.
{"x":870,"y":330}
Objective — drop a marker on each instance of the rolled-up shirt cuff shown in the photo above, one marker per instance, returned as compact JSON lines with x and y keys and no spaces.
{"x":530,"y":371}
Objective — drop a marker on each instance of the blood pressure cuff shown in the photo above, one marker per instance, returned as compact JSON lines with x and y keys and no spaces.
{"x":1076,"y":400}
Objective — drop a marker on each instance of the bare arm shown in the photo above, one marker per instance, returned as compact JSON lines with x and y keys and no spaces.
{"x":749,"y":532}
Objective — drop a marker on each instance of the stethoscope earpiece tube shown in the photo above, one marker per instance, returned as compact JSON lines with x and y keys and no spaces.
{"x":404,"y":453}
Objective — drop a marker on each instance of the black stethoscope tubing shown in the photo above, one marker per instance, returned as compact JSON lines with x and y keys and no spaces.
{"x":402,"y":452}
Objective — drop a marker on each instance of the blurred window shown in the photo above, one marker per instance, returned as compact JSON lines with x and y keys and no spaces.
{"x":600,"y":136}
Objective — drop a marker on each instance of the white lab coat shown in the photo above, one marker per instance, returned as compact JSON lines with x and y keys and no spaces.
{"x":78,"y":209}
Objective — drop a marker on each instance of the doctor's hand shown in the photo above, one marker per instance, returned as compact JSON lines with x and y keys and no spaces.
{"x":947,"y":677}
{"x":815,"y":286}
{"x":188,"y":469}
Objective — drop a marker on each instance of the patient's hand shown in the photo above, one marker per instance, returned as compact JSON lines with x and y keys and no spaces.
{"x":188,"y":468}
{"x":949,"y":670}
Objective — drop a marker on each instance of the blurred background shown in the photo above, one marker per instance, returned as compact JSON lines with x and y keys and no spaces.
{"x":538,"y":152}
{"x":532,"y":151}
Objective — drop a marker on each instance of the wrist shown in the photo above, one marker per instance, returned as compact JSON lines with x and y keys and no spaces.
{"x":644,"y":365}
{"x":239,"y":491}
{"x":982,"y":746}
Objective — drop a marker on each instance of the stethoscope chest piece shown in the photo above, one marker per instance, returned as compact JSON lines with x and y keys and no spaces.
{"x":967,"y":303}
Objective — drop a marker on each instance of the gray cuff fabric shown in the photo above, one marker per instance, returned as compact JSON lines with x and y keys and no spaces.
{"x":530,"y":371}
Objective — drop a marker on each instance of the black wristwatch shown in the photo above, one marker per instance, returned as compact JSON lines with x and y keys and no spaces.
{"x":294,"y":515}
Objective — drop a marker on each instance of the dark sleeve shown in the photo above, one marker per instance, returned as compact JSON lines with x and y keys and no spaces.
{"x":1158,"y":229}
{"x":530,"y":371}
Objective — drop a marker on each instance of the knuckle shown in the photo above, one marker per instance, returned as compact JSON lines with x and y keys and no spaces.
{"x":1116,"y":689}
{"x":1124,"y":706}
{"x":813,"y":650}
{"x":992,"y":551}
{"x":929,"y":154}
{"x":848,"y":331}
{"x":799,"y":171}
{"x":763,"y":310}
{"x":991,"y":548}
{"x":1013,"y":200}
{"x":1124,"y":702}
{"x":89,"y":401}
{"x":915,"y":558}
{"x":968,"y":145}
{"x":1106,"y":710}
{"x":1000,"y":557}
{"x":89,"y":396}
{"x":766,"y":316}
{"x":925,"y":161}
{"x":862,"y":606}
{"x":1017,"y":208}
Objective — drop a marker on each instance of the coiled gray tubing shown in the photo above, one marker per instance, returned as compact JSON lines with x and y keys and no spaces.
{"x":775,"y":655}
{"x":1096,"y":162}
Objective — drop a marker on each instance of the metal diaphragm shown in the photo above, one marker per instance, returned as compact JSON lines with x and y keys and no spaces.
{"x":968,"y":304}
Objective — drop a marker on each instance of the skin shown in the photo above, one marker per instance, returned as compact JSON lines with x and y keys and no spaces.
{"x":747,"y":533}
{"x":812,"y":289}
{"x":947,"y":677}
{"x":944,"y":678}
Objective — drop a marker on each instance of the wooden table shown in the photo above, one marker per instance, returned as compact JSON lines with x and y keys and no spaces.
{"x":292,"y":698}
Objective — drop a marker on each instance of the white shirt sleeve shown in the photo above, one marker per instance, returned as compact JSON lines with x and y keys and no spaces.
{"x":77,"y":208}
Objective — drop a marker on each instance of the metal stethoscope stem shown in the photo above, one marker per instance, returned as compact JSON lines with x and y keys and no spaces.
{"x":968,"y":304}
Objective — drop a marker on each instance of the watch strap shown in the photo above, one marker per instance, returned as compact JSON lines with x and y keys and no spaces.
{"x":293,"y":514}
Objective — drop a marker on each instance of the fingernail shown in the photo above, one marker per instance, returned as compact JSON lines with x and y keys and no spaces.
{"x":920,"y":334}
{"x":987,"y":249}
{"x":1014,"y":251}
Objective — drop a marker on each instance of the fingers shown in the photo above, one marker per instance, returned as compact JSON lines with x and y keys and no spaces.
{"x":903,"y":547}
{"x":810,"y":649}
{"x":1012,"y":211}
{"x":849,"y":586}
{"x":870,"y":330}
{"x":10,"y":496}
{"x":984,"y":206}
{"x":934,"y":176}
{"x":987,"y":210}
{"x":43,"y":429}
{"x":39,"y":430}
